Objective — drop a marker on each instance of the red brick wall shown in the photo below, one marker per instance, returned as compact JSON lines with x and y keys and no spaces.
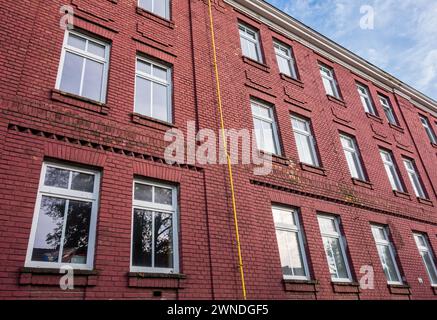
{"x":37,"y":124}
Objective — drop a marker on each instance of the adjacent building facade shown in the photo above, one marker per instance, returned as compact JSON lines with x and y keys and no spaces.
{"x":348,"y":211}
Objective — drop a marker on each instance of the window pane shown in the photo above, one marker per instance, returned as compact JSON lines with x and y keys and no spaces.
{"x":427,"y":259}
{"x":143,"y":97}
{"x":163,"y":241}
{"x":71,"y":73}
{"x":304,"y":149}
{"x":142,"y":238}
{"x":268,"y":138}
{"x":328,"y":86}
{"x":76,"y":41}
{"x":160,"y":102}
{"x":93,"y":79}
{"x":49,"y":230}
{"x":77,"y":232}
{"x":82,"y":182}
{"x":160,"y":73}
{"x":261,"y":111}
{"x":96,"y":48}
{"x":284,"y":65}
{"x":160,"y":8}
{"x":334,"y":255}
{"x":144,"y":67}
{"x":163,"y":195}
{"x":290,"y":254}
{"x":146,"y":5}
{"x":282,"y":217}
{"x":143,"y":192}
{"x":378,"y":233}
{"x":388,"y":264}
{"x":327,"y":225}
{"x":56,"y":177}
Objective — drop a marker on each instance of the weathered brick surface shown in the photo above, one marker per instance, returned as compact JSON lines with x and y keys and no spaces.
{"x":37,"y":124}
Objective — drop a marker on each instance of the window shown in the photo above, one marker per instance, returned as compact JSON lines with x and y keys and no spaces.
{"x":334,"y":248}
{"x":414,"y":178}
{"x":64,"y":223}
{"x":305,"y":142}
{"x":154,"y":228}
{"x":265,"y":128}
{"x":388,"y":110}
{"x":153,"y":90}
{"x":427,"y":256}
{"x":250,"y":45}
{"x":353,"y":157}
{"x":391,"y":170}
{"x":366,"y":99}
{"x":429,"y":131}
{"x":290,"y":243}
{"x":329,"y":81}
{"x":386,"y":254}
{"x":158,"y":7}
{"x":285,"y":60}
{"x":83,"y":69}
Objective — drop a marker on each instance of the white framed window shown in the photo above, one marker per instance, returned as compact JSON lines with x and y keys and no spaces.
{"x":392,"y":170}
{"x":414,"y":178}
{"x":329,"y":82}
{"x":429,"y":130}
{"x":386,"y":254}
{"x":290,"y":243}
{"x":366,"y":99}
{"x":64,"y":222}
{"x":285,"y":59}
{"x":159,"y":7}
{"x":153,"y":90}
{"x":84,"y":65}
{"x":305,"y":142}
{"x":353,"y":157}
{"x":250,"y":44}
{"x":334,"y":245}
{"x":154,"y":228}
{"x":388,"y":110}
{"x":427,"y":256}
{"x":265,"y":127}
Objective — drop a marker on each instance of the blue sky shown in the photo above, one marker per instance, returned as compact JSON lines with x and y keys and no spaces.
{"x":403,"y":41}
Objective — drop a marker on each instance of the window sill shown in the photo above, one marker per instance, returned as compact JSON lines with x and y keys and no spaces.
{"x":275,"y":157}
{"x":151,"y":122}
{"x":434,"y":145}
{"x":155,"y":280}
{"x":291,"y":80}
{"x":301,"y":285}
{"x":396,"y":127}
{"x":402,"y":195}
{"x":78,"y":101}
{"x":400,"y":289}
{"x":163,"y":21}
{"x":51,"y":277}
{"x":256,"y":64}
{"x":336,"y":100}
{"x":362,"y":183}
{"x":312,"y":169}
{"x":374,"y":117}
{"x":425,"y":201}
{"x":346,"y":287}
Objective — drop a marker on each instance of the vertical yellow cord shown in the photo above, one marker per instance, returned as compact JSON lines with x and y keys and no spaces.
{"x":225,"y":147}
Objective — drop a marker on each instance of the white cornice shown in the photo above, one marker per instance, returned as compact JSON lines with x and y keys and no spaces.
{"x":292,"y":28}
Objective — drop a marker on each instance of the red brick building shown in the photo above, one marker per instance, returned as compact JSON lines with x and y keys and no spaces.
{"x":84,"y":181}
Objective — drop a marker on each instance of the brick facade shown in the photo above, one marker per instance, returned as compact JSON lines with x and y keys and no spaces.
{"x":40,"y":123}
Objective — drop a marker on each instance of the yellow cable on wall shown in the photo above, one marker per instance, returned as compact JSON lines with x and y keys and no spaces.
{"x":225,"y":147}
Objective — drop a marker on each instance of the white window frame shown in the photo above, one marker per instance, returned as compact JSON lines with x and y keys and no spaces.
{"x":355,"y":152}
{"x":87,"y":56}
{"x":387,"y":243}
{"x":308,"y":134}
{"x":167,"y":8}
{"x":291,"y":72}
{"x":341,"y":239}
{"x":169,"y":209}
{"x":365,"y":96}
{"x":151,"y":78}
{"x":388,"y":110}
{"x":327,"y":73}
{"x":271,"y":120}
{"x":55,"y":192}
{"x":429,"y":130}
{"x":297,"y":230}
{"x":426,"y":250}
{"x":415,"y":180}
{"x":242,"y":30}
{"x":396,"y":184}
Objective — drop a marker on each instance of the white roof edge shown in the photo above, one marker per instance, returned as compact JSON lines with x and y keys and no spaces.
{"x":294,"y":29}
